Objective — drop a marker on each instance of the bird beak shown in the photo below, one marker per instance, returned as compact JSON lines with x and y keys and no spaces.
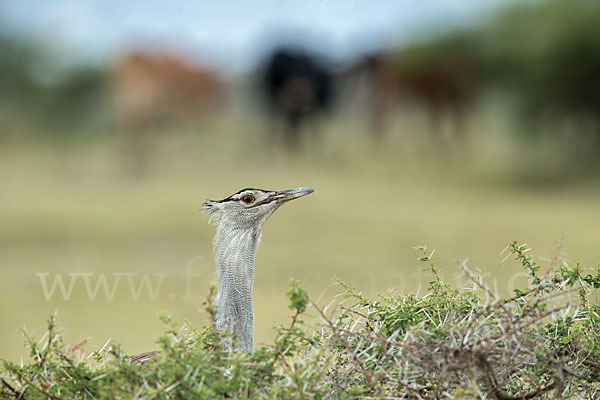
{"x":283,"y":196}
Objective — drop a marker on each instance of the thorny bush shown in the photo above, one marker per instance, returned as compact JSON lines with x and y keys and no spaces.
{"x":461,"y":343}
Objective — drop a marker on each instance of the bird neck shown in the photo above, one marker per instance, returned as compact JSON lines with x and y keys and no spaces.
{"x":234,"y":249}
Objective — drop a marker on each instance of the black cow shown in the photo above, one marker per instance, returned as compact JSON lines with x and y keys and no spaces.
{"x":297,"y":84}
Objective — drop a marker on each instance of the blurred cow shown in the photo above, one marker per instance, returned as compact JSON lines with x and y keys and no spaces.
{"x":297,"y":84}
{"x":156,"y":88}
{"x":441,"y":84}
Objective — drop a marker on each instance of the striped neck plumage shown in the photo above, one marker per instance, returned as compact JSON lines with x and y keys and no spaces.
{"x":234,"y":249}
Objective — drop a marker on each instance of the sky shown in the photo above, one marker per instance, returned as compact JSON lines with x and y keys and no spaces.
{"x":227,"y":32}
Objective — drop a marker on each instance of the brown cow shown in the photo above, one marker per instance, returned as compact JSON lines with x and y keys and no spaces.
{"x":441,"y":85}
{"x":154,"y":88}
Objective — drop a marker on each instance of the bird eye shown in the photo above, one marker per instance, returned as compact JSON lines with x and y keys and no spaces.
{"x":248,"y":199}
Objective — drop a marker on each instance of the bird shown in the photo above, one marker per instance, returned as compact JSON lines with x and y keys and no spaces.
{"x":239,"y":219}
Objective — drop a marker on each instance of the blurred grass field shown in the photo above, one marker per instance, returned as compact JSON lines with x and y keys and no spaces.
{"x":68,"y":206}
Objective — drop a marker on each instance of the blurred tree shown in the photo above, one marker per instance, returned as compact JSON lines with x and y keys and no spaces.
{"x":16,"y":58}
{"x":78,"y":100}
{"x":548,"y":54}
{"x":38,"y":91}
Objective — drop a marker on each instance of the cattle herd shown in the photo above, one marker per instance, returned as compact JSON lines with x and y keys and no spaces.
{"x":154,"y":89}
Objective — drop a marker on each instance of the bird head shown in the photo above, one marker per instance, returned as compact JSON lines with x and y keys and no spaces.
{"x":250,"y":207}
